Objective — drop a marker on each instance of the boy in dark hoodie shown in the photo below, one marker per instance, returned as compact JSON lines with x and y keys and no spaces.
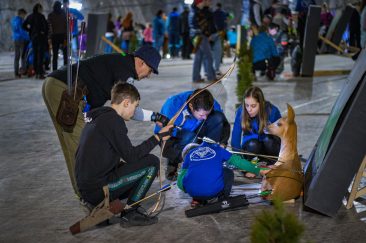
{"x":105,"y":156}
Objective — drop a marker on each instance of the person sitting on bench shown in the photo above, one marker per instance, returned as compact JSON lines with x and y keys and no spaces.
{"x":203,"y":174}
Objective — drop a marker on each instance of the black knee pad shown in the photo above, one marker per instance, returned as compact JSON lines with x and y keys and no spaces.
{"x":272,"y":144}
{"x":253,"y":146}
{"x":218,"y":116}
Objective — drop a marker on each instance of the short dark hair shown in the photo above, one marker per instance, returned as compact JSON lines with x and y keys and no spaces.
{"x":159,"y":12}
{"x":36,"y":7}
{"x":22,"y":11}
{"x":203,"y":100}
{"x":122,"y":91}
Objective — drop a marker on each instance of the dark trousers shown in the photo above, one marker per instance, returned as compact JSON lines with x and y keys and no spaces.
{"x":271,"y":63}
{"x":174,"y":44}
{"x":215,"y":127}
{"x":58,"y":41}
{"x":130,"y":181}
{"x":39,"y":48}
{"x":269,"y":146}
{"x":228,"y":175}
{"x":20,"y":50}
{"x":187,"y":46}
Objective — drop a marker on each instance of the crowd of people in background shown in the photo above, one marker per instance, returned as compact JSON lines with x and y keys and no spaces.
{"x":38,"y":39}
{"x":201,"y":29}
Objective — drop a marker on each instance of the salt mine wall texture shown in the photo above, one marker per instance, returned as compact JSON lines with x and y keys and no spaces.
{"x":143,"y":10}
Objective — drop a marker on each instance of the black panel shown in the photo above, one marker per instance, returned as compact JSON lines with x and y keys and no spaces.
{"x":310,"y":41}
{"x":341,"y":27}
{"x":96,"y":28}
{"x":341,"y":147}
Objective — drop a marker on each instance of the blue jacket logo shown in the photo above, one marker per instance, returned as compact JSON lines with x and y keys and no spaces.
{"x":202,"y":153}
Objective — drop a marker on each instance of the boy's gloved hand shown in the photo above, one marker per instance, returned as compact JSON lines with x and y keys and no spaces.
{"x":159,"y":118}
{"x":164,"y":133}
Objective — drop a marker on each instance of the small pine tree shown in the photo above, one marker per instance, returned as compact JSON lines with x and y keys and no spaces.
{"x":133,"y":43}
{"x":276,"y":226}
{"x":245,"y":75}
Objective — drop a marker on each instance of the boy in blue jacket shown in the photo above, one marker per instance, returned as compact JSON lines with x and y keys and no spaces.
{"x":20,"y":38}
{"x":202,"y":116}
{"x":203,"y":175}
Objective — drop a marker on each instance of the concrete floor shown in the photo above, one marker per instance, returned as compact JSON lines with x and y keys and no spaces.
{"x":37,"y":203}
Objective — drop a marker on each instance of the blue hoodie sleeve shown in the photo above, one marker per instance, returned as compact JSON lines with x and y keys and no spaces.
{"x":275,"y":114}
{"x":237,"y":130}
{"x":18,"y":32}
{"x":170,"y":107}
{"x":217,"y":106}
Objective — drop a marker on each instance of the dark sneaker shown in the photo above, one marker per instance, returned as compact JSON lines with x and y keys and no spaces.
{"x":137,"y":217}
{"x":171,"y":173}
{"x":271,"y":74}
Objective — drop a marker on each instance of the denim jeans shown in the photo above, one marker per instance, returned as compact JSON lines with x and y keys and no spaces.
{"x":158,"y":42}
{"x":216,"y":51}
{"x":174,"y":44}
{"x":19,"y":47}
{"x":203,"y":54}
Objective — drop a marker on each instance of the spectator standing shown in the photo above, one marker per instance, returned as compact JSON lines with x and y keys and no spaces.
{"x":173,"y":28}
{"x":232,"y":36}
{"x":201,"y":28}
{"x":127,"y":31}
{"x":58,"y":35}
{"x":158,"y":30}
{"x":75,"y":16}
{"x":256,"y":13}
{"x":20,"y":38}
{"x":37,"y":26}
{"x":148,"y":36}
{"x":186,"y":40}
{"x":118,"y":26}
{"x":118,"y":31}
{"x":110,"y":34}
{"x":325,"y":19}
{"x":220,"y":21}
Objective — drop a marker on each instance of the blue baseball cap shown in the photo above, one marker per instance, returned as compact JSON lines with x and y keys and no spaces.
{"x":150,"y":56}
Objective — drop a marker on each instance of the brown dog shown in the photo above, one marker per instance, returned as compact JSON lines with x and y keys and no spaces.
{"x":286,"y":177}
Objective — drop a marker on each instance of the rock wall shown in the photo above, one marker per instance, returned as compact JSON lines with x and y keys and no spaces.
{"x":143,"y":10}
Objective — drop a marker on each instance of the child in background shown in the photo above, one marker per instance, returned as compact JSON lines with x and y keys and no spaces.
{"x":148,"y":37}
{"x":232,"y":36}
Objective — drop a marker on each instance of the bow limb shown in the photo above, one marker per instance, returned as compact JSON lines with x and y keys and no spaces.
{"x":226,"y":75}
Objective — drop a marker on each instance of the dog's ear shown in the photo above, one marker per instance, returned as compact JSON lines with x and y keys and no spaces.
{"x":290,"y":114}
